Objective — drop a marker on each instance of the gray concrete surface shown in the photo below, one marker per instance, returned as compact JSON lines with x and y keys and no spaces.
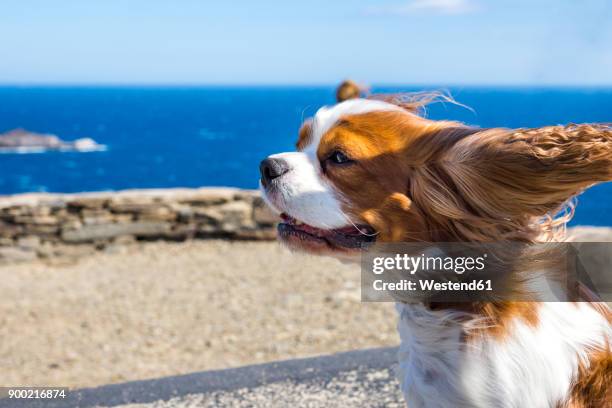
{"x":363,"y":378}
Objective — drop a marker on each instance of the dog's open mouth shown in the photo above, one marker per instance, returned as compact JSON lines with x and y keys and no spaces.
{"x":349,"y":237}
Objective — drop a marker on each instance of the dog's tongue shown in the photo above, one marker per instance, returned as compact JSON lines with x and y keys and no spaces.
{"x":346,"y":237}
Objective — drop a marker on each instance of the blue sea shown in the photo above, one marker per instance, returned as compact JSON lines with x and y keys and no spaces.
{"x":216,"y":136}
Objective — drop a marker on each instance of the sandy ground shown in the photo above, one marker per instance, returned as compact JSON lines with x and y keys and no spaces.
{"x":160,"y":309}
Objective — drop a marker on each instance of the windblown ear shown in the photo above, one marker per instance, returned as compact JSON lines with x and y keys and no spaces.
{"x":506,"y":177}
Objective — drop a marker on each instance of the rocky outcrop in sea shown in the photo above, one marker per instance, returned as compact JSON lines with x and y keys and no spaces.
{"x":25,"y":141}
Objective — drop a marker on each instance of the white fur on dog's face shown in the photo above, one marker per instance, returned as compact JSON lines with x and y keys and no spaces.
{"x":304,"y":195}
{"x":303,"y":192}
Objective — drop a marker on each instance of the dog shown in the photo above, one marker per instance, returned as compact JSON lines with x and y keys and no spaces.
{"x":377,"y":170}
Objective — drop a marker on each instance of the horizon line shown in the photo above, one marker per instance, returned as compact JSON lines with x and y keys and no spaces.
{"x":603,"y":86}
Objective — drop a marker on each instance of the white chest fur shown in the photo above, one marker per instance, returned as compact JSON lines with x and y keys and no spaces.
{"x":530,"y":367}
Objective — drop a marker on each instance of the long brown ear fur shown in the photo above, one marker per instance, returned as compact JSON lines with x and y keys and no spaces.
{"x":508,"y":184}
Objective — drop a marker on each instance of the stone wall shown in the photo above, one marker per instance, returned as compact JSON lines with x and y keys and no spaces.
{"x":60,"y":226}
{"x":51,"y":225}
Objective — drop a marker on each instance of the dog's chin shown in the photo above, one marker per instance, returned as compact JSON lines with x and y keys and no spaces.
{"x":345,"y":243}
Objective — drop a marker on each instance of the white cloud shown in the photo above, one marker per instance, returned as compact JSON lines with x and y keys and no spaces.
{"x":425,"y":6}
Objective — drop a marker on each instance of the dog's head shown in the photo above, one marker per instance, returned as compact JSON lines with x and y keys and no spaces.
{"x":369,"y":170}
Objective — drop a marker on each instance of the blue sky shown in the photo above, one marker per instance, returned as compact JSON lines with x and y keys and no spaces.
{"x":437,"y":42}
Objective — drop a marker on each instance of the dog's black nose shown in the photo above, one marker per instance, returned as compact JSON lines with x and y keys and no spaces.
{"x":271,"y":169}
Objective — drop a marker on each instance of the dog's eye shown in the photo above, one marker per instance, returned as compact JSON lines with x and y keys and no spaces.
{"x":338,"y":157}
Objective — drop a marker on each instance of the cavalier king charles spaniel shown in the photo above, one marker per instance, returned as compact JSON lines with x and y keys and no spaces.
{"x":376,"y":171}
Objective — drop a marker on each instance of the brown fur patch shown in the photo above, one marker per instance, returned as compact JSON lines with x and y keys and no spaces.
{"x":304,"y":135}
{"x":348,"y":90}
{"x":378,"y":179}
{"x":499,"y":317}
{"x":593,"y":385}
